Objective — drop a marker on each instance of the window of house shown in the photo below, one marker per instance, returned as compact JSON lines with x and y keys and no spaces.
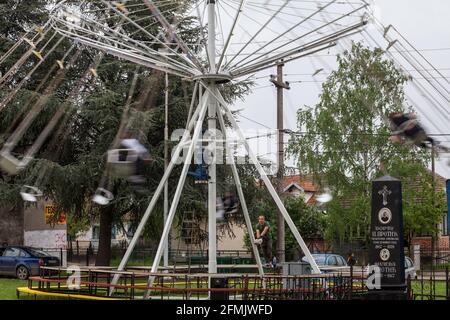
{"x":445,"y":225}
{"x":95,"y":232}
{"x":114,"y":233}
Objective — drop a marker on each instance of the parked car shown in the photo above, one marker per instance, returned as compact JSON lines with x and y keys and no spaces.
{"x":23,"y":262}
{"x":410,"y":269}
{"x":333,"y":262}
{"x":328,"y":262}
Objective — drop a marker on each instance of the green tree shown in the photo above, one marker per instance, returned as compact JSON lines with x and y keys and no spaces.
{"x":424,"y":201}
{"x":346,"y":144}
{"x":16,"y":18}
{"x":73,"y":158}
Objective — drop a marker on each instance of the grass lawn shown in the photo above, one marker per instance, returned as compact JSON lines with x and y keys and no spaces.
{"x":8,"y":288}
{"x":440,"y":289}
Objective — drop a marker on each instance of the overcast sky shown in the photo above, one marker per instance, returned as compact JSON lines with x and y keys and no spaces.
{"x":425,"y":24}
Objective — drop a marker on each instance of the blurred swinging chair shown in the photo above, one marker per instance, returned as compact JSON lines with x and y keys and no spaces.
{"x":200,"y":174}
{"x":120,"y":162}
{"x":13,"y":165}
{"x":103,"y":197}
{"x":30,"y":193}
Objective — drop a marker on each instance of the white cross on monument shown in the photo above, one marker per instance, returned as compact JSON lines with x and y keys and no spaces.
{"x":385,"y":193}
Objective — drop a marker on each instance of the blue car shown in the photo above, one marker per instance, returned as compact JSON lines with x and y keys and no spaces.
{"x":23,"y":262}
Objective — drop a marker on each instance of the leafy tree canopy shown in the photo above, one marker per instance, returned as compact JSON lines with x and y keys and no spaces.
{"x":346,"y":141}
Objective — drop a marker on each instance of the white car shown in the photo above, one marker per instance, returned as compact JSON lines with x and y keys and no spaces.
{"x":410,"y":269}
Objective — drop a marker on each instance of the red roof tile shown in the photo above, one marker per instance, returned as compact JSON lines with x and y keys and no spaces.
{"x":305,"y":182}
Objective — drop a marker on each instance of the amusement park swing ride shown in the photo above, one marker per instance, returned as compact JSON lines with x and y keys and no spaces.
{"x":242,"y":37}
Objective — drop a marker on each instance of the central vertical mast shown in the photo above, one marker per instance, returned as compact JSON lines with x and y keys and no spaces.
{"x":212,"y":34}
{"x":212,"y":122}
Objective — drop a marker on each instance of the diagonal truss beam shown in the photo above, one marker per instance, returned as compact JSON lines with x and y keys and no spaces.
{"x":156,"y":195}
{"x":163,"y":21}
{"x":231,"y":34}
{"x":267,"y":182}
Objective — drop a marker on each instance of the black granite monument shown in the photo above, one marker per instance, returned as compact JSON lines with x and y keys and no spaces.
{"x":387,"y":257}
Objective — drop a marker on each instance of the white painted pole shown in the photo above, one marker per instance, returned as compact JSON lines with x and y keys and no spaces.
{"x":212,"y":184}
{"x":176,"y":198}
{"x":140,"y":228}
{"x":212,"y":34}
{"x":268,"y":184}
{"x":166,"y":165}
{"x":237,"y":180}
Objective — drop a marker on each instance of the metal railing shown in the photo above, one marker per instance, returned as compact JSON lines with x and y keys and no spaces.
{"x":96,"y":282}
{"x":431,"y":284}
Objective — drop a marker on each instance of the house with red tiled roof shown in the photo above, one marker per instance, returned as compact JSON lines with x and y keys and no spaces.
{"x":297,"y":185}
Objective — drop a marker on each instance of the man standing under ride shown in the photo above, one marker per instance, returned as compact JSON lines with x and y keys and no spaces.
{"x":264,"y":238}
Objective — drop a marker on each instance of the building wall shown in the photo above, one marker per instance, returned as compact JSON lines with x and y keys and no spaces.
{"x":39,"y":232}
{"x":11,"y":225}
{"x":90,"y":237}
{"x":225,"y":243}
{"x":426,"y":242}
{"x":237,"y":243}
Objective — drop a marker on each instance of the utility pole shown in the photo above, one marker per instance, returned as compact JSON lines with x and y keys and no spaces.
{"x":435,"y":240}
{"x":281,"y":86}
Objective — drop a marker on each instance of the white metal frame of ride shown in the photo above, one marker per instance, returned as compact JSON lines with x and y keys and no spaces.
{"x":180,"y":60}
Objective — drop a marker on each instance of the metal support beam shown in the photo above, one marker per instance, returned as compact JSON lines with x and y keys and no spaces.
{"x":141,"y":226}
{"x":179,"y":190}
{"x":237,"y":181}
{"x":267,"y":182}
{"x":212,"y":123}
{"x":166,"y":165}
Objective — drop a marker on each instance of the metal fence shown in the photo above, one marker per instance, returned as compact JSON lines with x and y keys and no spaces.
{"x":436,"y":259}
{"x":431,"y":284}
{"x":95,"y":282}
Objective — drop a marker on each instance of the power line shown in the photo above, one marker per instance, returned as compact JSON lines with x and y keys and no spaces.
{"x":303,"y":133}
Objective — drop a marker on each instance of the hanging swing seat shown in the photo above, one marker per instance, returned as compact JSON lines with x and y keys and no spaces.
{"x":30,"y":194}
{"x":220,"y":210}
{"x":11,"y":164}
{"x":324,"y":198}
{"x":103,"y":197}
{"x":258,"y":241}
{"x":233,"y":209}
{"x":122,"y":162}
{"x":200,"y":175}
